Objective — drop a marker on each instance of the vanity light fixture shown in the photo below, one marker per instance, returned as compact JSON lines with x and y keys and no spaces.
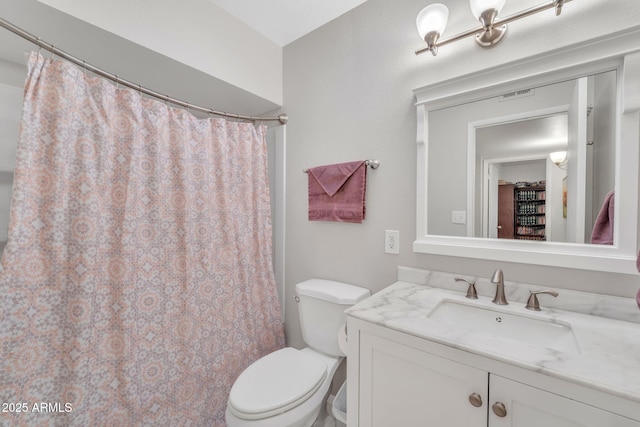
{"x":559,"y":158}
{"x":432,"y":21}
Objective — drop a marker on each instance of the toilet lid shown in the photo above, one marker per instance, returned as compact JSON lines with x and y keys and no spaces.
{"x":276,"y":383}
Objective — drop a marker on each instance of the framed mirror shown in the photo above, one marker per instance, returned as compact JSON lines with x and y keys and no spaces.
{"x":504,"y":179}
{"x":516,"y":164}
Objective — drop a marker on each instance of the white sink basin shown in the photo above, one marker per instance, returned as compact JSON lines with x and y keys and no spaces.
{"x":505,"y":325}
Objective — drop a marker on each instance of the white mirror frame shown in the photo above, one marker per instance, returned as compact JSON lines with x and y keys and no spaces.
{"x":620,"y":51}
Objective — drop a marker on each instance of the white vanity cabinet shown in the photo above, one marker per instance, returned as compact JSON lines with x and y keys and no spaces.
{"x":527,"y":406}
{"x":403,"y":386}
{"x":402,"y":380}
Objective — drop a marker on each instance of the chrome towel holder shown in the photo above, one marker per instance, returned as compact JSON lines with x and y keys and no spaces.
{"x":373,"y":164}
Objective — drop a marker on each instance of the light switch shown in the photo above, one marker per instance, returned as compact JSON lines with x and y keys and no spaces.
{"x":458,"y":217}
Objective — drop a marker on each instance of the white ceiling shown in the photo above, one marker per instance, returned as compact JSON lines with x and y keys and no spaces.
{"x":284,"y":21}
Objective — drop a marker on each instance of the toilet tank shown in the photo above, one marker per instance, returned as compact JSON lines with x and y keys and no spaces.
{"x":321,"y":305}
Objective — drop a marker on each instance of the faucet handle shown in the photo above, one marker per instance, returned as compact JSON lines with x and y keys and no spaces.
{"x":533,"y":304}
{"x":471,"y":290}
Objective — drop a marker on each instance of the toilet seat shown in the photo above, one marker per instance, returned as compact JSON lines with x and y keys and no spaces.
{"x":276,"y":383}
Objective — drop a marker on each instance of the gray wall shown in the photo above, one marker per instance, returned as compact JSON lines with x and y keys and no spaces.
{"x":12,"y":76}
{"x":603,"y":128}
{"x":348,"y":92}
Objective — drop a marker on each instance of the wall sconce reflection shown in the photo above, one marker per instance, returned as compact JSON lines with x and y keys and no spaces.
{"x":559,"y":158}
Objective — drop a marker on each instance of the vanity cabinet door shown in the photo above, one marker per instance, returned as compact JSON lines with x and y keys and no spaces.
{"x":527,"y":406}
{"x":403,"y":386}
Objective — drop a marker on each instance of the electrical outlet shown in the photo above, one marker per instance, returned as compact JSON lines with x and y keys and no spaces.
{"x":392,"y":241}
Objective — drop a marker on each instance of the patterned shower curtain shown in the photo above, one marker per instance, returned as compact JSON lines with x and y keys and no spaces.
{"x":136,"y":282}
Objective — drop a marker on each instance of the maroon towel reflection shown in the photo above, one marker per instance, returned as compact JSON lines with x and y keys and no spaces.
{"x":602,"y":233}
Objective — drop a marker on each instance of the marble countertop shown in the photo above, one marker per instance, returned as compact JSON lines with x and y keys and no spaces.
{"x":608,"y":358}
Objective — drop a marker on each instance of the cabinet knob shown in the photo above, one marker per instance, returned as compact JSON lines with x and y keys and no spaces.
{"x":499,"y":409}
{"x":475,"y":399}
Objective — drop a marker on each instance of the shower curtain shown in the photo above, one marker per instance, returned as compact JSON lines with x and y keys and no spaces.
{"x":136,"y":282}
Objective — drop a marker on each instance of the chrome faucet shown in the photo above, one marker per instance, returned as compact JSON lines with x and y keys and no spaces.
{"x":498,"y":279}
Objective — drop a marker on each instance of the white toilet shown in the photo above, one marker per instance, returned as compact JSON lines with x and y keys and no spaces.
{"x":288,"y":387}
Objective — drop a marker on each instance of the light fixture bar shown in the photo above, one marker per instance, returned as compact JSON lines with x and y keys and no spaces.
{"x":557,"y":4}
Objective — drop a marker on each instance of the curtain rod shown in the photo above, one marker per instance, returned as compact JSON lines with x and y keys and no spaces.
{"x":282,"y":118}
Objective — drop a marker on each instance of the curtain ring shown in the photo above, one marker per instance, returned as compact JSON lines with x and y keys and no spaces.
{"x":117,"y":82}
{"x":39,"y":45}
{"x":53,"y":47}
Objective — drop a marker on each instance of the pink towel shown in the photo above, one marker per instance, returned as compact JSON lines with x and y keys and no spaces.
{"x":337,"y":192}
{"x":602,"y":233}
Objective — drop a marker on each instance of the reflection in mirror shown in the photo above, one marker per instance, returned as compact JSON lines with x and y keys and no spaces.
{"x":490,"y":171}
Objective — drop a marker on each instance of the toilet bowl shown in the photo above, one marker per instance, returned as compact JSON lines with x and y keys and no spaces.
{"x":288,"y":388}
{"x":292,"y":401}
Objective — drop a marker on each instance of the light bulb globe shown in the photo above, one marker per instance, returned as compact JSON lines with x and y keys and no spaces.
{"x":479,"y":6}
{"x":558,"y":157}
{"x":432,"y":18}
